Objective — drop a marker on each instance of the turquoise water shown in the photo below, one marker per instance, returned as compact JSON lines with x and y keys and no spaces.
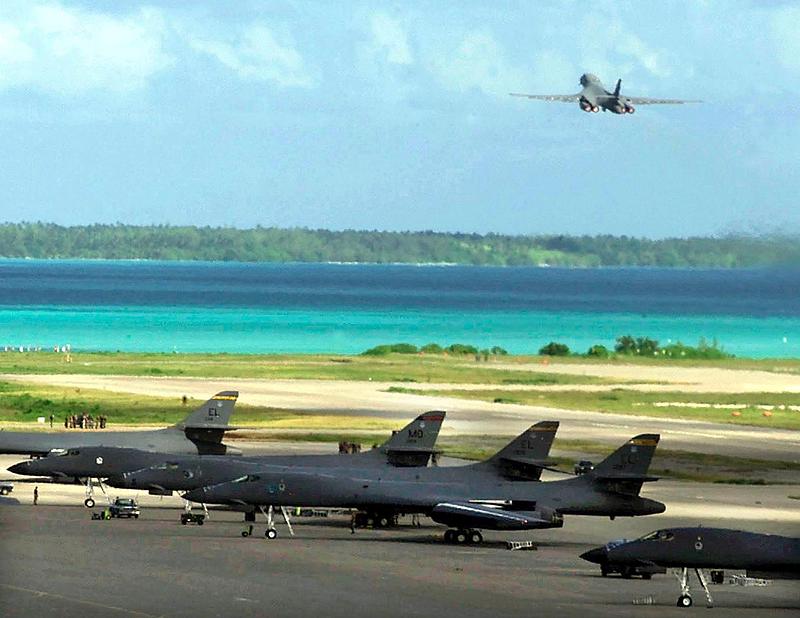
{"x":249,"y":308}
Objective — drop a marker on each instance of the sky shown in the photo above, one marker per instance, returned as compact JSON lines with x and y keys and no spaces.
{"x":396,"y":115}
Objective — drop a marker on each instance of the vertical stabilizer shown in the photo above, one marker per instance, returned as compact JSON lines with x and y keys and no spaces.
{"x":625,"y":469}
{"x":213,"y":414}
{"x":526,"y":455}
{"x":414,"y":444}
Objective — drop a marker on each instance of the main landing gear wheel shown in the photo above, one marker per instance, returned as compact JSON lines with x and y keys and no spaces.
{"x":382,"y":522}
{"x":684,"y":601}
{"x":271,"y":534}
{"x":463,"y":537}
{"x":88,"y":503}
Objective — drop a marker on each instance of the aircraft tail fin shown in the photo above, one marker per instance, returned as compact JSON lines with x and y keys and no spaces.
{"x":626,"y":468}
{"x":414,"y":444}
{"x":618,"y":87}
{"x":526,"y":455}
{"x":213,"y":415}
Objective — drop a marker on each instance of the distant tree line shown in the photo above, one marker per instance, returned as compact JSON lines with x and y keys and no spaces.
{"x":455,"y":349}
{"x":268,"y":244}
{"x":627,"y":345}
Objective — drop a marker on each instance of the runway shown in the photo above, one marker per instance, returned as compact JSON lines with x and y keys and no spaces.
{"x":463,"y":416}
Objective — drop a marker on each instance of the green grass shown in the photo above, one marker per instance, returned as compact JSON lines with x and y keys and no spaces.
{"x":23,"y":403}
{"x":391,"y":368}
{"x":773,"y":365}
{"x":624,"y":401}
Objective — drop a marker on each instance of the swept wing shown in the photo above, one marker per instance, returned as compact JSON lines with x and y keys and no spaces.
{"x":563,"y":98}
{"x":649,"y":101}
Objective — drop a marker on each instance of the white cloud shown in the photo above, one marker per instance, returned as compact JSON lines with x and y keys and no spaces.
{"x":607,"y":47}
{"x":257,"y":55}
{"x":785,"y":24}
{"x":71,"y":51}
{"x":479,"y":62}
{"x":390,"y":38}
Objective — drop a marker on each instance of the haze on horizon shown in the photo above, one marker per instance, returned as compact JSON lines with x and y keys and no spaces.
{"x":379,"y":115}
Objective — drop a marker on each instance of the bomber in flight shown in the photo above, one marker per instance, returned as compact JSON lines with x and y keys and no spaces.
{"x":594,"y":97}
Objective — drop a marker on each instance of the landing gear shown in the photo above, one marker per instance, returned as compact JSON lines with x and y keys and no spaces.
{"x":463,"y":537}
{"x":375,"y":519}
{"x":685,"y":600}
{"x":271,"y":533}
{"x":89,"y":501}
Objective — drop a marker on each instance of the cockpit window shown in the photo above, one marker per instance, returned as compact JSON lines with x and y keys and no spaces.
{"x":658,"y":535}
{"x":250,"y":478}
{"x":57,"y":452}
{"x":73,"y":451}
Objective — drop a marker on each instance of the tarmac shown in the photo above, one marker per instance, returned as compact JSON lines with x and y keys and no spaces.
{"x":56,"y":561}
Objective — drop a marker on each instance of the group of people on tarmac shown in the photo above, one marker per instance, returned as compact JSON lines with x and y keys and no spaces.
{"x":85,"y":421}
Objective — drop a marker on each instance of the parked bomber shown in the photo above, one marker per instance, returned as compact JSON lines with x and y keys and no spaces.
{"x":162,"y":473}
{"x":502,"y":493}
{"x":761,"y":555}
{"x":199,"y":433}
{"x":594,"y":97}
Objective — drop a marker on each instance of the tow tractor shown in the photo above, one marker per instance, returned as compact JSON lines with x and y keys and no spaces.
{"x":193,"y":518}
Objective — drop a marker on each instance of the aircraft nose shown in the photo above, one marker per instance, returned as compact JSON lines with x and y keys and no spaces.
{"x":598,"y":555}
{"x":22,"y":467}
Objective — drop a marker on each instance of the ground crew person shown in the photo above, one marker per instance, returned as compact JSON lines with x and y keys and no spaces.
{"x":35,"y":495}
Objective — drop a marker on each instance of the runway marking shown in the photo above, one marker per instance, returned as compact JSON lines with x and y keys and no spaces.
{"x":42,"y":593}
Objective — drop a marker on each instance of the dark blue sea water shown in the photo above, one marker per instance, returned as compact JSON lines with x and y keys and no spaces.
{"x":233,"y":307}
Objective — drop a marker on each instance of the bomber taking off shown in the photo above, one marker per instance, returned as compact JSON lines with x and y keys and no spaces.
{"x":595,"y":97}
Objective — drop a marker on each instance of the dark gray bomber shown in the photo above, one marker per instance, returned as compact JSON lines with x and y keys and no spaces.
{"x":594,"y":97}
{"x":162,"y":473}
{"x":490,"y":495}
{"x":705,"y":548}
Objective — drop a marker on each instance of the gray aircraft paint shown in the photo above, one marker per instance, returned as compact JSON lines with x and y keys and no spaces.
{"x":705,"y":548}
{"x":473,"y":496}
{"x":137,"y":469}
{"x":593,"y":97}
{"x":200,"y":432}
{"x":698,"y":548}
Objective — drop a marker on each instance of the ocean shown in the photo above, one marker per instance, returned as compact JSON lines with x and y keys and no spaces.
{"x":346,"y":308}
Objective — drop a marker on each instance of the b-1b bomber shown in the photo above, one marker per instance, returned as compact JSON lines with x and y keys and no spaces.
{"x":502,"y":493}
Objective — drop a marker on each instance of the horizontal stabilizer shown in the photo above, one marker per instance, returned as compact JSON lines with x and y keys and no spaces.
{"x":639,"y":478}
